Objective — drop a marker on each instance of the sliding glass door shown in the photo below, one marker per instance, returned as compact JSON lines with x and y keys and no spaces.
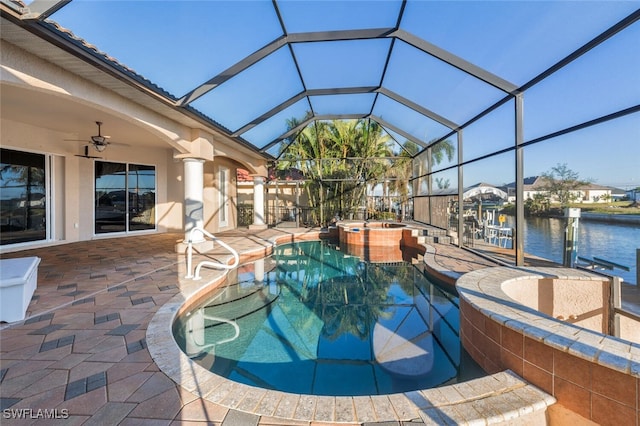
{"x":125,"y":197}
{"x":141,"y":181}
{"x":23,"y":197}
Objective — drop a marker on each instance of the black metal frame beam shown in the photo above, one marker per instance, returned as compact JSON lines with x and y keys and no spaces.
{"x":299,"y":96}
{"x":456,"y":62}
{"x":399,"y":131}
{"x":418,"y":108}
{"x":42,"y":9}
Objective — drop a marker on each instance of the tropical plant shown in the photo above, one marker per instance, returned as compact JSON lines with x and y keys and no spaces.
{"x":442,"y":183}
{"x":338,"y":159}
{"x":536,"y":205}
{"x":563,"y":184}
{"x":402,"y":171}
{"x":442,"y":149}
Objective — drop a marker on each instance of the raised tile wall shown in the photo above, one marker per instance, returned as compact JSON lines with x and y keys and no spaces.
{"x":593,"y":375}
{"x":380,"y":234}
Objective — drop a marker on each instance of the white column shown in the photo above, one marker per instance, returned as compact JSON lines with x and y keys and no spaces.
{"x":193,"y":196}
{"x":194,"y":336}
{"x":258,"y":270}
{"x":258,"y":203}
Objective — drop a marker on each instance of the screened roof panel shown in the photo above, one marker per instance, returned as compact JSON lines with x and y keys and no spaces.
{"x":420,"y":127}
{"x":515,"y":40}
{"x":175,"y":44}
{"x":398,"y":141}
{"x":493,"y":133}
{"x":253,"y":65}
{"x":348,"y":104}
{"x":584,"y":87}
{"x":348,"y":63}
{"x":277,"y":149}
{"x":252,"y":92}
{"x":436,"y":85}
{"x":271,"y":128}
{"x":306,"y":16}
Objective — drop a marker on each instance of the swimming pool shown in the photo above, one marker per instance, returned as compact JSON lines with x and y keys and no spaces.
{"x":311,"y":319}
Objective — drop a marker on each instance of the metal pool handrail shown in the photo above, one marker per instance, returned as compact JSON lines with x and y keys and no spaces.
{"x":202,"y":346}
{"x":217,"y":265}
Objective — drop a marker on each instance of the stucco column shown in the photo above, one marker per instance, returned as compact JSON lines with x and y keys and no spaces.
{"x":258,"y":203}
{"x":193,"y":196}
{"x":258,"y":270}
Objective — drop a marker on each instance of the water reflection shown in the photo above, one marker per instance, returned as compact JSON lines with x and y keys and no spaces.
{"x":315,"y":320}
{"x":618,"y":243}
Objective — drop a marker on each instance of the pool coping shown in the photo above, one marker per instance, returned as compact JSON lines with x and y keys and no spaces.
{"x":483,"y":290}
{"x":499,"y":332}
{"x":502,"y":396}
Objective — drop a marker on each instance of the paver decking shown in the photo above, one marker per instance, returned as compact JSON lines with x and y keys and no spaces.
{"x":81,"y":353}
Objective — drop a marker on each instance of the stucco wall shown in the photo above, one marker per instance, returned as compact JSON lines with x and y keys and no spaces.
{"x":39,"y":96}
{"x":580,"y":302}
{"x":73,"y":178}
{"x":212,"y":194}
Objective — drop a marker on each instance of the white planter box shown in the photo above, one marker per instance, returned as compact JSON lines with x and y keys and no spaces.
{"x":18,"y":282}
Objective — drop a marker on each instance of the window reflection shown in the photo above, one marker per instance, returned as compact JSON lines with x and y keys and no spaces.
{"x":142,"y":197}
{"x":110,"y":197}
{"x":122,"y":189}
{"x":22,"y":197}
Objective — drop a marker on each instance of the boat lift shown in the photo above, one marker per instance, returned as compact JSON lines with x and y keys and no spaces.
{"x":570,"y":254}
{"x":598,"y":262}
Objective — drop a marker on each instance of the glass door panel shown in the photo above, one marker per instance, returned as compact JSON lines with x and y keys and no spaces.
{"x":110,"y":197}
{"x":22,"y":197}
{"x":141,"y":181}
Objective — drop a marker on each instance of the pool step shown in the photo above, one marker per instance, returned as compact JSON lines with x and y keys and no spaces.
{"x":431,"y":236}
{"x":439,"y":239}
{"x":502,"y":398}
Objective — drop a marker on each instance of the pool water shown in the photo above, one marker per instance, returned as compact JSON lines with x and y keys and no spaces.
{"x":311,"y":319}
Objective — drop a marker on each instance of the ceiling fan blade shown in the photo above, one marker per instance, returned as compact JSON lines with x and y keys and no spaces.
{"x":86,"y":153}
{"x":85,"y":141}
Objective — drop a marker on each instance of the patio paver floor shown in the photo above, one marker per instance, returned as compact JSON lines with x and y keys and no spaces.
{"x":82,"y":348}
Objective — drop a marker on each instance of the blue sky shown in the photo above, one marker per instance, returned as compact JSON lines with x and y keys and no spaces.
{"x":179,"y":45}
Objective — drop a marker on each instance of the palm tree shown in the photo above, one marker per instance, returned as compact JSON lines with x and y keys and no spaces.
{"x":338,"y":158}
{"x":372,"y":152}
{"x":442,"y":148}
{"x":402,"y":171}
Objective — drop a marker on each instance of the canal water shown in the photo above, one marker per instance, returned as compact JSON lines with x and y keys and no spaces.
{"x":617,"y":243}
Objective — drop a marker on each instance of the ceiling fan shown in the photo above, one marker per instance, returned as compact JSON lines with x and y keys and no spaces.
{"x":99,"y":142}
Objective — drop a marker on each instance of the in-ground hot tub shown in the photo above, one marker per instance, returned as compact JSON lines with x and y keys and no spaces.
{"x":374,"y":241}
{"x":371,"y":233}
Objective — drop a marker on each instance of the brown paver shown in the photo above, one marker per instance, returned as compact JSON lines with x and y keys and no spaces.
{"x":82,"y":347}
